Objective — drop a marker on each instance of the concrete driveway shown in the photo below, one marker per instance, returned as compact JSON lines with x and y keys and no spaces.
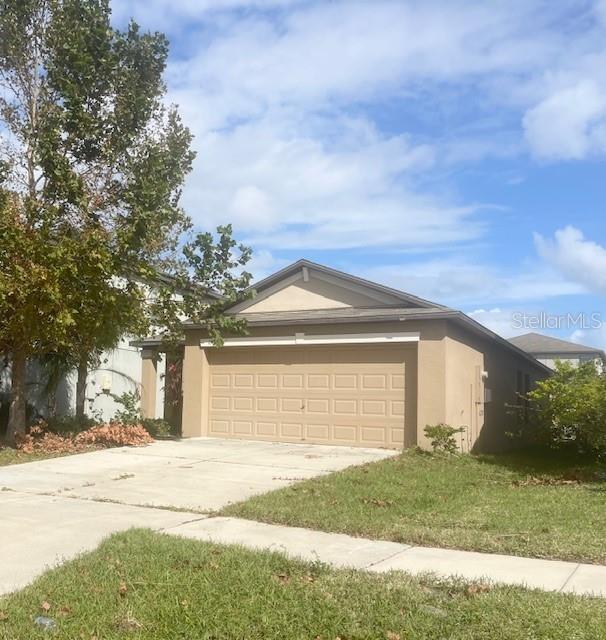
{"x":54,"y":509}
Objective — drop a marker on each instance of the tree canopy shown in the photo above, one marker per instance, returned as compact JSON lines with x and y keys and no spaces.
{"x":92,"y":164}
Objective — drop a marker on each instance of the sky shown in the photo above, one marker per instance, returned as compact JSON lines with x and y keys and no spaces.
{"x":449,"y":148}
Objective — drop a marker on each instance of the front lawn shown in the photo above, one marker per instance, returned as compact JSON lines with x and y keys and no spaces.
{"x":14,"y":456}
{"x":524,"y":504}
{"x":145,"y":585}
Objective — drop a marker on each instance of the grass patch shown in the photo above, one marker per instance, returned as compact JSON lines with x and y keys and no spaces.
{"x":523,"y":504}
{"x":146,"y":585}
{"x":13,"y":456}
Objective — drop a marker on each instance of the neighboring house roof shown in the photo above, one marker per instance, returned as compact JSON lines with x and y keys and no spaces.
{"x":539,"y":344}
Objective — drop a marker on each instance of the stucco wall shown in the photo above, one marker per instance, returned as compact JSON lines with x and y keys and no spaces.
{"x":314,"y":294}
{"x":448,"y":380}
{"x":504,"y":368}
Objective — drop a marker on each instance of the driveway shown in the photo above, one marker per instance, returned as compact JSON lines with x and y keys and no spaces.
{"x":54,"y":509}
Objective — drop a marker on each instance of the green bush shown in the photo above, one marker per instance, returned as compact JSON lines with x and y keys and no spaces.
{"x":131,"y":408}
{"x":568,"y":409}
{"x":442,"y":437}
{"x":157,"y":428}
{"x":69,"y":424}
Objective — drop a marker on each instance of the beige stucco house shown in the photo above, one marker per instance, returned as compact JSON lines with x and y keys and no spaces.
{"x":334,"y":359}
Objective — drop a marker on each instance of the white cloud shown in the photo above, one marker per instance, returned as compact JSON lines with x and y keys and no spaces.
{"x":590,"y":337}
{"x":171,"y":15}
{"x":284,"y":187}
{"x":569,"y":124}
{"x":576,"y":258}
{"x":462,"y":283}
{"x":273,"y":89}
{"x":501,"y":321}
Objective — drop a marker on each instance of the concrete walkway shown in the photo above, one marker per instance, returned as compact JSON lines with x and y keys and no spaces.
{"x":380,"y":556}
{"x":52,"y":510}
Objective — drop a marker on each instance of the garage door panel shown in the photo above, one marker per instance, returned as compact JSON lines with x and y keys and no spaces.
{"x":372,"y":436}
{"x":291,"y":405}
{"x":244,"y":403}
{"x":317,"y":406}
{"x":310,"y":394}
{"x":318,"y":382}
{"x":373,"y":408}
{"x":243,"y":427}
{"x":291,"y":430}
{"x":219,"y":427}
{"x":345,"y":381}
{"x":267,"y":429}
{"x":267,"y":381}
{"x":267,"y":405}
{"x":345,"y":407}
{"x":220,"y":381}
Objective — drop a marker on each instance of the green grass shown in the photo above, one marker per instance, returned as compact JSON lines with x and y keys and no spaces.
{"x":13,"y":456}
{"x":142,"y":585}
{"x":519,"y":504}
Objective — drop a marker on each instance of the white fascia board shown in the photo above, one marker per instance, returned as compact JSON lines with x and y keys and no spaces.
{"x":301,"y":339}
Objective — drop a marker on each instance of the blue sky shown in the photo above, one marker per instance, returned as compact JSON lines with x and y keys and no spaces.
{"x":453,"y":149}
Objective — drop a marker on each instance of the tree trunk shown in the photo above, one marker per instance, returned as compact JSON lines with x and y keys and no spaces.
{"x":81,"y":387}
{"x":17,"y":411}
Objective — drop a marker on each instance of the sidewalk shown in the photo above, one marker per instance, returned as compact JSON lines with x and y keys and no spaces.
{"x":381,"y":556}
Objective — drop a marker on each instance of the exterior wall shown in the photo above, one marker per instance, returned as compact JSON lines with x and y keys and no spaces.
{"x":431,"y":378}
{"x":464,"y":390}
{"x":493,"y":398}
{"x":119,"y":372}
{"x":196,"y":373}
{"x":448,"y":385}
{"x":575,"y":360}
{"x":195,"y":385}
{"x":314,"y":294}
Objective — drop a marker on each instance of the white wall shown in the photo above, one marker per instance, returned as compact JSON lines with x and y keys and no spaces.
{"x":574,"y":361}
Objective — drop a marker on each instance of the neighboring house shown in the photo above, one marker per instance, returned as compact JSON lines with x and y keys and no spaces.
{"x":548,"y":350}
{"x":119,"y":371}
{"x":334,"y":359}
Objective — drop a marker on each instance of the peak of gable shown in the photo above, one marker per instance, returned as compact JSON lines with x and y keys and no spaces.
{"x":306,"y":286}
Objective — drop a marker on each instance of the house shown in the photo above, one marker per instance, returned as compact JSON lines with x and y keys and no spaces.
{"x":334,"y":359}
{"x":547,"y":350}
{"x":118,"y":372}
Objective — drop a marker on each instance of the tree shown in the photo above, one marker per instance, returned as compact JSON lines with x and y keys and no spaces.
{"x":91,"y":169}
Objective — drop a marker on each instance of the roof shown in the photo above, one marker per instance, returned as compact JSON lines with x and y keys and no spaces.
{"x":407,"y":298}
{"x":537,"y":343}
{"x":412,"y":308}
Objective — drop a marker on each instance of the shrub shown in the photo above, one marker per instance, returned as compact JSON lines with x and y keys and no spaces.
{"x":131,"y":408}
{"x":568,"y":409}
{"x":157,"y":427}
{"x":69,"y":424}
{"x":442,"y":437}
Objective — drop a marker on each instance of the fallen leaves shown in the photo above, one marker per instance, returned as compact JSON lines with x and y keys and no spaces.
{"x":476,"y":588}
{"x":45,"y":606}
{"x":3,"y":616}
{"x":114,"y":434}
{"x":123,"y":589}
{"x":569,"y":477}
{"x":378,"y":502}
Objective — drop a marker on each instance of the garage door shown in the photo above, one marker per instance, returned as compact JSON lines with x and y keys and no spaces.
{"x":327,"y":395}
